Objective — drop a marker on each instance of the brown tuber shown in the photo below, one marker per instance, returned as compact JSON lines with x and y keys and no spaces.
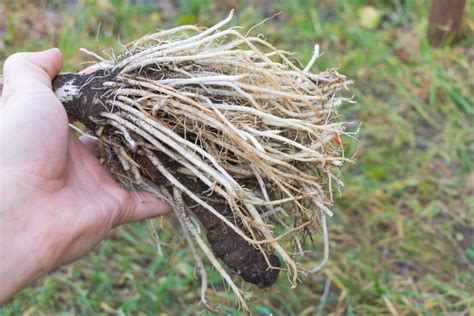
{"x":239,"y":255}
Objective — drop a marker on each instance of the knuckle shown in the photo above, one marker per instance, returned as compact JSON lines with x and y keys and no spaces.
{"x":13,"y":59}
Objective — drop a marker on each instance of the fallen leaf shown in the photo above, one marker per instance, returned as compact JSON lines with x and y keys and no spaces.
{"x":369,"y":17}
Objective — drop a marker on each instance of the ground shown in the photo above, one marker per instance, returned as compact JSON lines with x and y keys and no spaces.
{"x":402,"y":238}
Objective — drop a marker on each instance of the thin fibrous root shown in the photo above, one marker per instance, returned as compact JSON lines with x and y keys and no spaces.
{"x":246,"y":140}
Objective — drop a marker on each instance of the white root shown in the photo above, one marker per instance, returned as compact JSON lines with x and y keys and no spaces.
{"x":238,"y":115}
{"x":217,"y":265}
{"x":190,"y":232}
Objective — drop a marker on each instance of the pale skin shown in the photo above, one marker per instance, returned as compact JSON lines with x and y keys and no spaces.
{"x":57,"y":201}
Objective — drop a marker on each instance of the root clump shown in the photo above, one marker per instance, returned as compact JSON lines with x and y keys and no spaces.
{"x":230,"y":131}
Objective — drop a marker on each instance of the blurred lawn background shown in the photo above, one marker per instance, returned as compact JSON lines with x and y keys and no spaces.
{"x":402,"y":239}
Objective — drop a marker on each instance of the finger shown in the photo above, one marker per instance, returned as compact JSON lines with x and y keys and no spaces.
{"x":91,"y":144}
{"x":138,"y":206}
{"x":31,"y":72}
{"x":89,"y":70}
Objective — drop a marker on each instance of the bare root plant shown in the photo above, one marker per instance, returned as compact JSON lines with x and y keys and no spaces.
{"x":229,"y":130}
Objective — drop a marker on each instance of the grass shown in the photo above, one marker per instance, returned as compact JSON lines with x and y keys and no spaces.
{"x":403,"y":236}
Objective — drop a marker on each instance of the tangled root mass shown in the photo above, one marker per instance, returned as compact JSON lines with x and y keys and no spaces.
{"x":228,"y":129}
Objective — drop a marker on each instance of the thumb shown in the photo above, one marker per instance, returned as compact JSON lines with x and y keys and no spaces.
{"x":136,"y":206}
{"x":30,"y":72}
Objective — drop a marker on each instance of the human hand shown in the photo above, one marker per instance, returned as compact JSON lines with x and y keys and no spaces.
{"x":57,"y":201}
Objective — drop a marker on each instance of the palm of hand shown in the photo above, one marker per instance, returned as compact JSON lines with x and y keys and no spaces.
{"x":41,"y":159}
{"x":57,"y":202}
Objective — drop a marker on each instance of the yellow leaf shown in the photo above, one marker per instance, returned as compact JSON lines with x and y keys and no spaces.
{"x":369,"y":17}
